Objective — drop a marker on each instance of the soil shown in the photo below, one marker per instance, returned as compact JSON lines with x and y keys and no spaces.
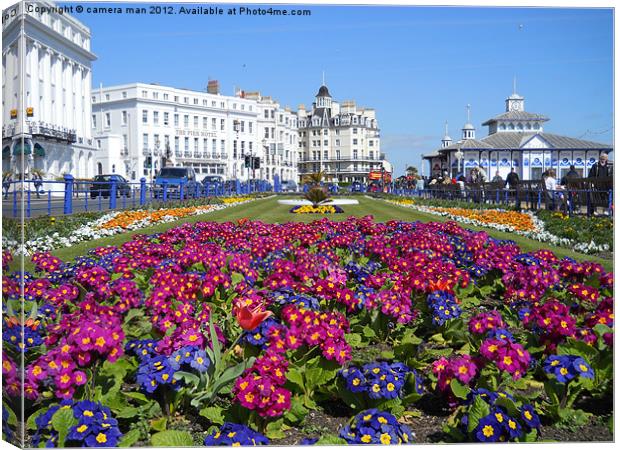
{"x":596,"y":430}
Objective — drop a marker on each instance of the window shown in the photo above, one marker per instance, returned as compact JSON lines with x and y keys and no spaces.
{"x":235,"y":149}
{"x":273,"y":114}
{"x":124,"y":117}
{"x":354,"y":130}
{"x":186,"y":144}
{"x":242,"y":126}
{"x":195,"y":121}
{"x":234,"y":106}
{"x":94,"y":99}
{"x":176,"y":144}
{"x":325,"y":155}
{"x":94,"y":121}
{"x":338,"y":143}
{"x":273,"y":133}
{"x":266,"y":132}
{"x":325,"y":142}
{"x":371,"y":155}
{"x":145,"y":94}
{"x":355,"y":154}
{"x":213,"y":123}
{"x":125,"y":141}
{"x":204,"y":102}
{"x":155,"y":117}
{"x":213,"y":103}
{"x":186,"y":120}
{"x":242,"y":107}
{"x":195,"y":145}
{"x":185,"y":99}
{"x":214,"y":146}
{"x":107,"y":97}
{"x":98,"y":143}
{"x":156,"y":140}
{"x":223,"y":147}
{"x":195,"y":101}
{"x":176,"y":120}
{"x":145,"y":141}
{"x":204,"y":123}
{"x":155,"y":95}
{"x":166,"y":97}
{"x":222,"y":105}
{"x":243,"y":147}
{"x":371,"y":143}
{"x":281,"y":118}
{"x":266,"y":114}
{"x":176,"y":99}
{"x":166,"y":119}
{"x":204,"y":144}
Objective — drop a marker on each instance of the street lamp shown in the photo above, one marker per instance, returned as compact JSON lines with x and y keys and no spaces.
{"x":459,"y":156}
{"x":154,"y":151}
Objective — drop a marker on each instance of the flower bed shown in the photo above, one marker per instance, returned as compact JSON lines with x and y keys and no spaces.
{"x":526,"y":224}
{"x":114,"y":223}
{"x":233,"y":333}
{"x":321,"y":209}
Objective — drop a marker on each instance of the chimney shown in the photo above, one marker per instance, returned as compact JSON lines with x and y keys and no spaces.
{"x":213,"y":87}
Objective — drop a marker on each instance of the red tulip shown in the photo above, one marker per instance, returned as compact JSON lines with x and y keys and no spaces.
{"x":248,"y":318}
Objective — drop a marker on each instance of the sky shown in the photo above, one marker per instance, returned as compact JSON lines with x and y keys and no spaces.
{"x":418,"y":67}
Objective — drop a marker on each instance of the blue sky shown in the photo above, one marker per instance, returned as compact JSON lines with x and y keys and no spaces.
{"x":417,"y":66}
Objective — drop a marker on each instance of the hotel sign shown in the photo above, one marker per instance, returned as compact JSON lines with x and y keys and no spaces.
{"x":179,"y":132}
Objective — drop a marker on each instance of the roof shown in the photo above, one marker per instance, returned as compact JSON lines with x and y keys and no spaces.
{"x":323,"y":92}
{"x":468,"y":126}
{"x":517,"y":115}
{"x":430,"y":155}
{"x":467,"y":144}
{"x":516,"y":140}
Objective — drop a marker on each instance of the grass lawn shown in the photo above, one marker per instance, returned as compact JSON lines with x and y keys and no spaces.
{"x":268,"y":210}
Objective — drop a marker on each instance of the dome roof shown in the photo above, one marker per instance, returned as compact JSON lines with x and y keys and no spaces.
{"x":468,"y":126}
{"x":323,"y":92}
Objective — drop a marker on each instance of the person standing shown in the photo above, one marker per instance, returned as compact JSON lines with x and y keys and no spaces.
{"x":497,"y":178}
{"x":572,"y":173}
{"x":599,"y":170}
{"x":512,"y":179}
{"x":6,"y":184}
{"x":38,"y":183}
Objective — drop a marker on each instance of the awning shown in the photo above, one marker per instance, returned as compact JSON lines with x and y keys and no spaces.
{"x":38,"y":150}
{"x":19,"y":149}
{"x":6,"y":152}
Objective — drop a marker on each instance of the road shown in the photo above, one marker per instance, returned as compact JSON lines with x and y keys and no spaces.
{"x":55,"y":206}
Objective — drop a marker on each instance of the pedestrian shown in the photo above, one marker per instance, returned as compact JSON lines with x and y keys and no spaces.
{"x":38,"y":183}
{"x":552,"y":187}
{"x":572,"y":173}
{"x":7,"y":178}
{"x":598,"y":171}
{"x":512,"y":179}
{"x":497,"y":178}
{"x":601,"y":168}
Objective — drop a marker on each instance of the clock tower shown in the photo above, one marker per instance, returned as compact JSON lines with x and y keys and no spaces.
{"x":515,"y":102}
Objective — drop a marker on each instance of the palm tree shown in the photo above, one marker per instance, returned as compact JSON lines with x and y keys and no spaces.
{"x":316,"y":194}
{"x":314,"y":179}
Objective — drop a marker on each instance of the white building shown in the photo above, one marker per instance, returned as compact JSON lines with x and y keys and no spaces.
{"x":137,"y":123}
{"x":53,"y":115}
{"x":340,"y":140}
{"x":516,"y":139}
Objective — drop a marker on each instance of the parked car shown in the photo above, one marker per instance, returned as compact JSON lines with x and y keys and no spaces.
{"x":289,"y":186}
{"x":102,"y":185}
{"x":174,"y":177}
{"x":212,"y":179}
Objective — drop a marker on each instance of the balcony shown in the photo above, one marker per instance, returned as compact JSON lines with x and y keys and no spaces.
{"x":52,"y":132}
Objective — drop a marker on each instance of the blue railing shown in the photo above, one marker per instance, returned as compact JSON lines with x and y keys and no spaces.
{"x":571,"y":201}
{"x":73,"y":196}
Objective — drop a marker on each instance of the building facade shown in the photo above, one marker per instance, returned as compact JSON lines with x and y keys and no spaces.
{"x":51,"y":51}
{"x":516,"y":139}
{"x":139,"y":127}
{"x":341,"y":140}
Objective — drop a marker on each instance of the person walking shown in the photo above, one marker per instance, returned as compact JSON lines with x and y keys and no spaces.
{"x":38,"y":183}
{"x":7,"y":178}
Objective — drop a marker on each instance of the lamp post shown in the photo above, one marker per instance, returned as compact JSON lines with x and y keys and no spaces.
{"x":154,"y":152}
{"x":459,"y":156}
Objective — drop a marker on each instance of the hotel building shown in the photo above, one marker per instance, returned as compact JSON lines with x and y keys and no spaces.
{"x":55,"y":65}
{"x":516,"y":138}
{"x":138,"y":126}
{"x":342,"y":140}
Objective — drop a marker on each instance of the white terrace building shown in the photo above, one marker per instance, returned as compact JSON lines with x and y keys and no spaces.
{"x":342,"y":140}
{"x":516,"y":139}
{"x":56,"y":64}
{"x":139,"y":125}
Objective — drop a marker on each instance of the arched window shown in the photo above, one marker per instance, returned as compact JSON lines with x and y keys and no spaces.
{"x":520,"y":126}
{"x":528,"y":126}
{"x":511,"y":126}
{"x":502,"y":126}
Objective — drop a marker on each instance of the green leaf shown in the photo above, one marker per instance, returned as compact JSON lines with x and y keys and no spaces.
{"x":330,"y":439}
{"x":127,"y":413}
{"x":215,"y":344}
{"x":189,"y":378}
{"x":130,"y":438}
{"x":172,"y":438}
{"x":510,"y":406}
{"x":478,"y":410}
{"x":30,"y":423}
{"x":297,"y":411}
{"x":62,"y":421}
{"x":137,"y":396}
{"x":236,"y":278}
{"x":369,"y":332}
{"x":296,"y":377}
{"x":159,"y":424}
{"x":353,"y":339}
{"x":213,"y":414}
{"x":459,"y":389}
{"x":275,"y":430}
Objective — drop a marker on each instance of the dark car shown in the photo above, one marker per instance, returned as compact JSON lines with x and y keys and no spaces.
{"x":102,"y":185}
{"x":289,"y":186}
{"x":173,"y":178}
{"x":212,"y":179}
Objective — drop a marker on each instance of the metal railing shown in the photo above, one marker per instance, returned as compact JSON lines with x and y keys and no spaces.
{"x":69,"y":196}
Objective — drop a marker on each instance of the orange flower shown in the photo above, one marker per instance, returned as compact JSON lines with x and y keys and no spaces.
{"x":248,"y":318}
